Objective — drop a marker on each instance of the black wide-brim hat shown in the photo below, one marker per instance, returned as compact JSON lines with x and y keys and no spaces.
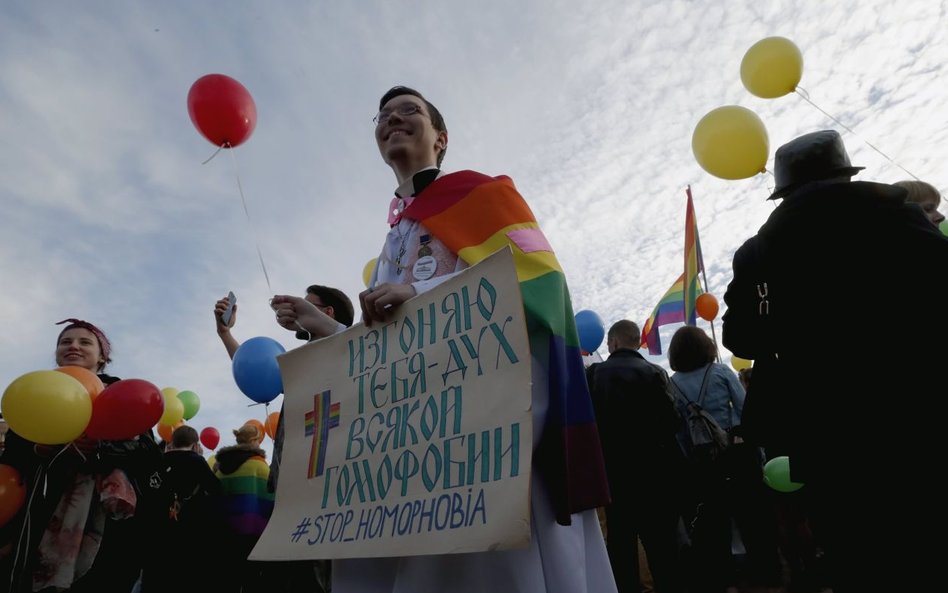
{"x":811,"y":157}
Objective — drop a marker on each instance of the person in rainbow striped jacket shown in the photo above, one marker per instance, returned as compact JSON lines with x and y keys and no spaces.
{"x":245,"y":507}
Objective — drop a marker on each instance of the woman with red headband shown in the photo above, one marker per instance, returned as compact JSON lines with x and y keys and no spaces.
{"x":78,"y":530}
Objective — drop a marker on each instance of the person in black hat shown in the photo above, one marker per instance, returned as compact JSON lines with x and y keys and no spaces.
{"x":841,"y":274}
{"x":818,"y":156}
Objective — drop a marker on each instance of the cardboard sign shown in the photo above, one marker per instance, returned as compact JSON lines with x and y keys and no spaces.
{"x":412,"y":436}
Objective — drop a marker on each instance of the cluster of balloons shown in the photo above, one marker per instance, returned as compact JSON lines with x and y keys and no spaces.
{"x":55,"y":407}
{"x":591,"y":330}
{"x":222,"y":110}
{"x":731,"y":142}
{"x":59,"y":406}
{"x":179,"y":406}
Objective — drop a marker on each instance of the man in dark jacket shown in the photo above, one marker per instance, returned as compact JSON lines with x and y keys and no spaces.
{"x":180,"y":515}
{"x":846,"y":274}
{"x":637,"y":423}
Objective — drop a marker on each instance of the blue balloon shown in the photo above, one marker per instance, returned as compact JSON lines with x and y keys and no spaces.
{"x":256,"y":370}
{"x":591,"y":330}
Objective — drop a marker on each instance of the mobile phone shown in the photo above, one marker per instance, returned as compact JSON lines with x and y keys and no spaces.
{"x":229,"y":311}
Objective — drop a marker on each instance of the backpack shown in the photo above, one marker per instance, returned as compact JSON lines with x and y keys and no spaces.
{"x":174,"y":500}
{"x":708,"y":439}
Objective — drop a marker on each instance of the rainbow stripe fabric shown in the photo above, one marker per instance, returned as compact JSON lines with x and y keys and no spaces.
{"x":246,"y":503}
{"x":670,"y":309}
{"x":474,"y":215}
{"x":318,"y":421}
{"x":694,"y":263}
{"x":678,"y":304}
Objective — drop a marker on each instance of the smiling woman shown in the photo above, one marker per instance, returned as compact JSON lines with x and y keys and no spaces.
{"x":83,"y":345}
{"x":80,"y":528}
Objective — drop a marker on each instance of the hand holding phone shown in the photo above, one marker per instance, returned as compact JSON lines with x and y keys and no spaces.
{"x":228,"y":313}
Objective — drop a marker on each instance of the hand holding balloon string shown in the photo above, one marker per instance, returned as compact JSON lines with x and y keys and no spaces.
{"x":293,"y":312}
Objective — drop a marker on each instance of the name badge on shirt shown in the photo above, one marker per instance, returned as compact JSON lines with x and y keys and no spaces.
{"x":424,"y":268}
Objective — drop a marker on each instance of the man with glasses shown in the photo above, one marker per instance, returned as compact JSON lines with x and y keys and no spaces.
{"x":335,"y":308}
{"x":441,"y":223}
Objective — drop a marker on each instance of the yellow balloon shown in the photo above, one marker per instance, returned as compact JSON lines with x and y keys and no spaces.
{"x":772,"y":67}
{"x":368,"y":269}
{"x":740,"y":364}
{"x":212,"y":460}
{"x":174,"y":407}
{"x":731,"y":142}
{"x":47,"y":407}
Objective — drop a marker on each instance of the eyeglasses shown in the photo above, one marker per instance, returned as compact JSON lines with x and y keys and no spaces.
{"x":402,"y":110}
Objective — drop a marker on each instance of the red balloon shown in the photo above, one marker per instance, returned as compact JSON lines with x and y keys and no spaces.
{"x":222,"y":110}
{"x":124,"y":409}
{"x":12,"y":493}
{"x":210,"y":437}
{"x":706,"y":306}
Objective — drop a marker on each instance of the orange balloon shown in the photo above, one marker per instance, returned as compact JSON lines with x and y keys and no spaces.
{"x":706,"y":306}
{"x":12,"y":493}
{"x":166,"y":430}
{"x":271,"y":426}
{"x":89,"y":380}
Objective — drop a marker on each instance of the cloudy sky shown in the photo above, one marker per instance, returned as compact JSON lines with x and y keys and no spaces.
{"x":109,"y":215}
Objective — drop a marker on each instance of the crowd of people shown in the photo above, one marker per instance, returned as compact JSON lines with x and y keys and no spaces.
{"x":105,"y":516}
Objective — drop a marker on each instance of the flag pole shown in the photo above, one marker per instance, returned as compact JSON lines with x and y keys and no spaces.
{"x":704,"y":275}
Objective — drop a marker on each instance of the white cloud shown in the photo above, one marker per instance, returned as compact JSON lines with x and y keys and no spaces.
{"x":109,"y":215}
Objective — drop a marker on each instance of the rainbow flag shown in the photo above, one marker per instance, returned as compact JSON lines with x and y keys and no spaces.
{"x":474,"y":215}
{"x":670,"y":309}
{"x":694,"y":263}
{"x":678,"y":304}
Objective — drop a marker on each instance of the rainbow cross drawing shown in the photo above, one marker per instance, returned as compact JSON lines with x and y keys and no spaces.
{"x":324,"y":415}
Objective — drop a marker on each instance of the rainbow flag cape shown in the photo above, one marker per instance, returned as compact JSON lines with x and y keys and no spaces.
{"x":678,"y":304}
{"x":245,"y":503}
{"x":474,"y":215}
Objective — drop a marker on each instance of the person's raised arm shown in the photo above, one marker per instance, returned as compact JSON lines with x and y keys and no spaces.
{"x":295,"y":313}
{"x":223,"y":329}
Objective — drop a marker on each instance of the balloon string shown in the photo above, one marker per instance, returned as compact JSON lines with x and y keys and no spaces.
{"x":243,"y":201}
{"x":219,"y":148}
{"x":805,"y":96}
